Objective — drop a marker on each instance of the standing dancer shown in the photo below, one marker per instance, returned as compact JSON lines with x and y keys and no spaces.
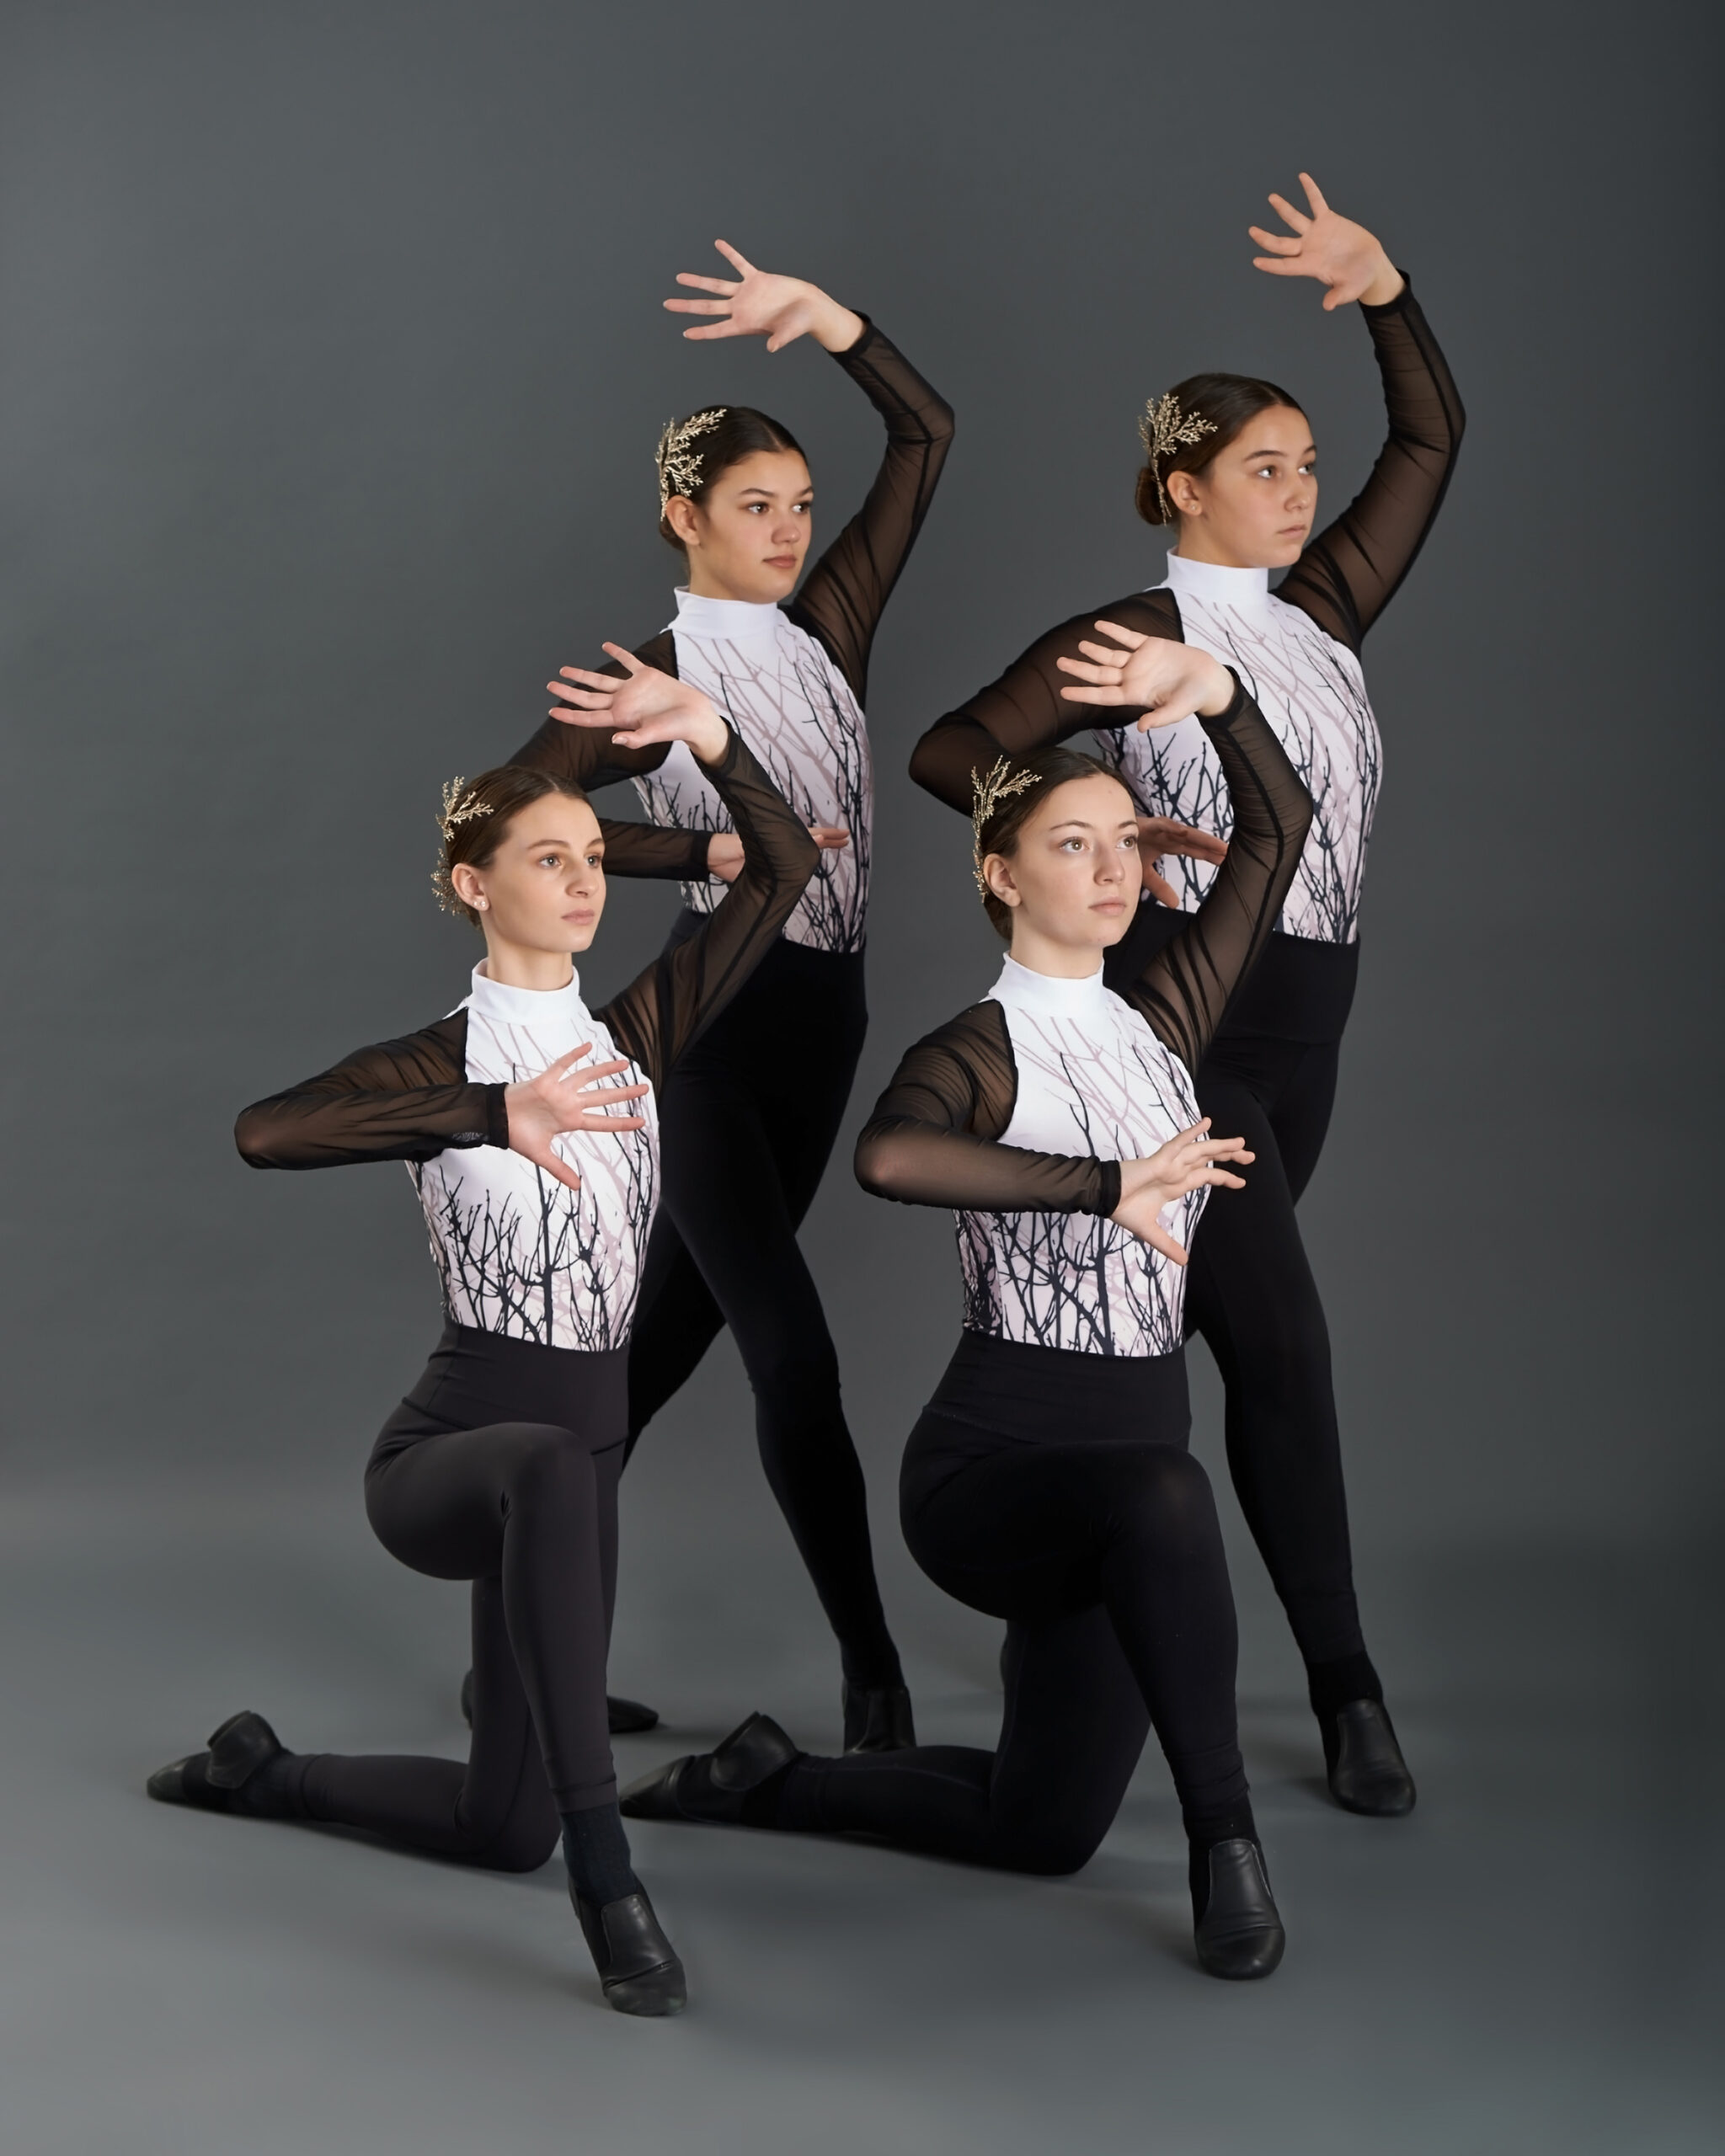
{"x":1230,"y":463}
{"x":1048,"y":1481}
{"x":501,"y":1465}
{"x":746,"y":1140}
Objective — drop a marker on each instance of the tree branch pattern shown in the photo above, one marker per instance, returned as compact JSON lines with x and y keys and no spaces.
{"x":795,"y":712}
{"x":1107,"y":1088}
{"x":519,"y":1252}
{"x":1312,"y":693}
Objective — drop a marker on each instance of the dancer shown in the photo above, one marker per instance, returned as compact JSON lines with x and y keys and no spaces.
{"x":1230,"y":463}
{"x":1048,"y":1481}
{"x":500,"y":1467}
{"x":746,"y":1140}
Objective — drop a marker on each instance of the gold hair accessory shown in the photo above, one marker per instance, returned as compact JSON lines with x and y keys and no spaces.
{"x":1164,"y":428}
{"x":459,"y":807}
{"x":678,"y":459}
{"x":1000,"y":785}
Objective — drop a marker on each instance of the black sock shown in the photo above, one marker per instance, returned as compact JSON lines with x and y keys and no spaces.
{"x":1204,"y":1830}
{"x":1333,"y":1685}
{"x":596,"y":1851}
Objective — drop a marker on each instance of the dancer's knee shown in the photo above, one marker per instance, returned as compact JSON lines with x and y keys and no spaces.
{"x":1169,"y":1503}
{"x":1046,"y":1844}
{"x":550,"y":1463}
{"x":522,"y":1842}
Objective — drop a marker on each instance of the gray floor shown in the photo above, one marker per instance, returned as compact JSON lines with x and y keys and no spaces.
{"x":1523,"y":1965}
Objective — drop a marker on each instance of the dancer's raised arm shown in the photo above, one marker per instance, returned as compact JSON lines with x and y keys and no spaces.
{"x":662,"y":1010}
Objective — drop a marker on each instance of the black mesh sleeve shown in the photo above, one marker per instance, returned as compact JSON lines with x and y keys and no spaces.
{"x":1350,"y":572}
{"x":653,"y":850}
{"x":587,"y":757}
{"x":933,"y":1137}
{"x":1185,"y":988}
{"x":845,"y":593}
{"x":662,"y":1010}
{"x":403,"y":1099}
{"x":1024,"y":710}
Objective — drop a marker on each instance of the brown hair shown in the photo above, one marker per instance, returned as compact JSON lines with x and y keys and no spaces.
{"x":1227,"y":402}
{"x":477,"y":814}
{"x":1001,"y":830}
{"x":741,"y":432}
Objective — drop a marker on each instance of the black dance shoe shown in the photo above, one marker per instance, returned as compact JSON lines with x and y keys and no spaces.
{"x":637,"y":1966}
{"x":1366,"y":1770}
{"x":878,"y":1719}
{"x":225,"y":1777}
{"x":713,"y":1788}
{"x":626,"y":1717}
{"x":1239,"y":1934}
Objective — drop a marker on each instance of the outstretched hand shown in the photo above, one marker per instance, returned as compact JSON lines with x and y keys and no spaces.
{"x":755,"y":303}
{"x":1188,"y":1162}
{"x":541,"y":1108}
{"x":1166,"y":681}
{"x":643,"y":710}
{"x":1160,"y":835}
{"x":1343,"y":256}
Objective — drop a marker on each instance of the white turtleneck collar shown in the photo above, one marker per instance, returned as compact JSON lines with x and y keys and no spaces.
{"x":731,"y":620}
{"x":1051,"y":994}
{"x":523,"y":1006}
{"x":1219,"y":586}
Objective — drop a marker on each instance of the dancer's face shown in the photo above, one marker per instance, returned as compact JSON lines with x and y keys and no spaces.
{"x":1072,"y":881}
{"x":539,"y":898}
{"x":749,"y":538}
{"x":1253,"y":508}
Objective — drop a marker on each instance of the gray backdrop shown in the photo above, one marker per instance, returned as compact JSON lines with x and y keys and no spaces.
{"x":332,"y":362}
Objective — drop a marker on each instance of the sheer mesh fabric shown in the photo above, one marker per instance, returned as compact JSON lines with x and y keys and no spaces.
{"x":932,"y":1137}
{"x":839,"y":603}
{"x":410,"y":1099}
{"x":648,"y":850}
{"x":1346,"y":577}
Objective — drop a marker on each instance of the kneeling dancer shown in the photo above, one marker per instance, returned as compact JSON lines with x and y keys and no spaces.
{"x":530,"y":1126}
{"x":1047,"y":1481}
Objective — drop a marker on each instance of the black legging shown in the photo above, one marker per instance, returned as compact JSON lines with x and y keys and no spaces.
{"x":1102,"y":1551}
{"x":1252,"y":1295}
{"x":1250,"y":1290}
{"x":501,"y":1467}
{"x":747,"y":1121}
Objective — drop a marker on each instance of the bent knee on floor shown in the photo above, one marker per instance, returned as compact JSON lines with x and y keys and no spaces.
{"x":1050,"y":1849}
{"x":521,"y":1843}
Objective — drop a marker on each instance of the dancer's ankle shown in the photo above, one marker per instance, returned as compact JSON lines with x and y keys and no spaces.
{"x":596,"y":1850}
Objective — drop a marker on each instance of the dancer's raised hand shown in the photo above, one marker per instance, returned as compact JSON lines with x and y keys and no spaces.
{"x":1188,"y":1162}
{"x":643,"y":710}
{"x":1343,"y":256}
{"x":724,"y":849}
{"x":755,"y":303}
{"x":1160,"y":835}
{"x":562,"y":1099}
{"x":1168,"y":680}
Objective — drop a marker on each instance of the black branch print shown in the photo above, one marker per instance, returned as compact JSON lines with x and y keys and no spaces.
{"x":1311,"y":691}
{"x":1072,"y":1280}
{"x":519,"y":1252}
{"x":796,"y":714}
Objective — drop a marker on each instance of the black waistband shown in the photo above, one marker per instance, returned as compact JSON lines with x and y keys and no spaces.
{"x":1048,"y":1394}
{"x":784,"y":960}
{"x":473,"y":1378}
{"x":1299,"y":990}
